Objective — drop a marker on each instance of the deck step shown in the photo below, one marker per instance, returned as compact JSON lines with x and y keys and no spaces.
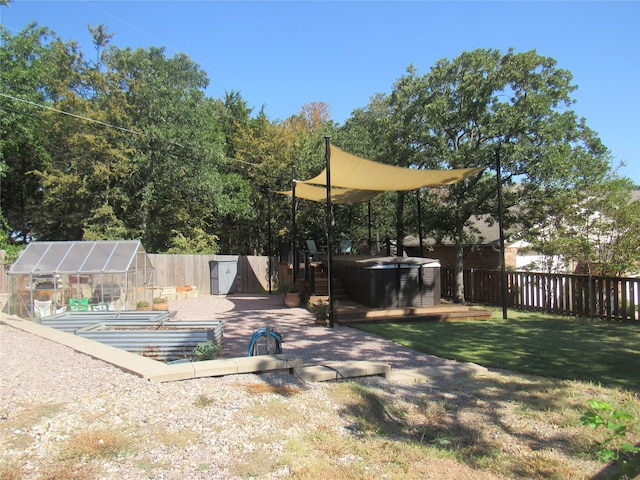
{"x":351,"y":313}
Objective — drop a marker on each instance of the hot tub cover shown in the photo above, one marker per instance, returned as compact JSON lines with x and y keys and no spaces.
{"x":371,"y":262}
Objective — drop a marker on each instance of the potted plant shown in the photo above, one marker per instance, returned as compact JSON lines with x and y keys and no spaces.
{"x":160,"y":303}
{"x":321,"y":310}
{"x":291,"y":294}
{"x":143,"y":305}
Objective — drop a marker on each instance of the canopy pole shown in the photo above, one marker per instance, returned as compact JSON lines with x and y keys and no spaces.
{"x":329,"y":229}
{"x":503,"y":270}
{"x":420,"y":253}
{"x":269,"y":246}
{"x":293,"y":223}
{"x":370,"y":240}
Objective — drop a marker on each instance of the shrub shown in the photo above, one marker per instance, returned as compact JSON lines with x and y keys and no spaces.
{"x":613,"y":447}
{"x":206,"y":351}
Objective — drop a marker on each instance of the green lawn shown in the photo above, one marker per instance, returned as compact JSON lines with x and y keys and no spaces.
{"x":561,"y":347}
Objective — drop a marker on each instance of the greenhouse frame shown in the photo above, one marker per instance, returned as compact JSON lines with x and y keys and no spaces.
{"x":52,"y":277}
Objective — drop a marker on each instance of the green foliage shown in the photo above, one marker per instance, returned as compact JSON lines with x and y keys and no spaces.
{"x":105,"y":225}
{"x":206,"y":351}
{"x":200,"y":243}
{"x":459,"y":115}
{"x":321,"y":309}
{"x":188,"y":174}
{"x":597,"y":227}
{"x":613,"y":448}
{"x":12,"y":250}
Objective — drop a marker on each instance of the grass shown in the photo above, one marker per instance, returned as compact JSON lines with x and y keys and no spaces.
{"x":595,"y":351}
{"x":503,"y":423}
{"x":510,"y":425}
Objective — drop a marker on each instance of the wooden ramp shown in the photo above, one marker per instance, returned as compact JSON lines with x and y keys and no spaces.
{"x":349,"y":312}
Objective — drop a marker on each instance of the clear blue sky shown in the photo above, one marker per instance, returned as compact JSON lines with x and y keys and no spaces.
{"x":282,"y":55}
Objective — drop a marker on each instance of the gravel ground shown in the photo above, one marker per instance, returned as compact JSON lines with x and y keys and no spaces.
{"x":195,"y":429}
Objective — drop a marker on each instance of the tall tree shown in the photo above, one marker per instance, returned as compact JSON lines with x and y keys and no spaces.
{"x":516,"y":105}
{"x":101,"y":38}
{"x":26,"y":73}
{"x":180,"y":139}
{"x":467,"y":109}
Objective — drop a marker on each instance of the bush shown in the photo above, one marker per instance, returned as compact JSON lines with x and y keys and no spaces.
{"x":206,"y":351}
{"x":613,"y":447}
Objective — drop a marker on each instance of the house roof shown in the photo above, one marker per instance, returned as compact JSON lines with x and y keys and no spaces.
{"x":489,"y":235}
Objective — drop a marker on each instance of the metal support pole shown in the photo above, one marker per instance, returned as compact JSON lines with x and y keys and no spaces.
{"x":503,"y":269}
{"x":369,"y":240}
{"x":269,"y":246}
{"x":420,"y":253}
{"x":330,"y":223}
{"x":294,"y":231}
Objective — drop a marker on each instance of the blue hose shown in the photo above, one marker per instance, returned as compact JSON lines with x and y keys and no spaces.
{"x":263,"y":332}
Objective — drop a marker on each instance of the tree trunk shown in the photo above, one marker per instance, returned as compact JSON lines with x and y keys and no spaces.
{"x":458,"y":294}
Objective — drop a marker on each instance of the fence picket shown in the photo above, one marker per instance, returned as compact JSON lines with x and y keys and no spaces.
{"x":612,"y":298}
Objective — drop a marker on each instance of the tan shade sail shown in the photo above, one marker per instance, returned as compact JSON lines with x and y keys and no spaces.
{"x":349,"y":171}
{"x":338,"y":195}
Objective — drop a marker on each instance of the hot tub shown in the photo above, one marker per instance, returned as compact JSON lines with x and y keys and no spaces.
{"x":387,"y":282}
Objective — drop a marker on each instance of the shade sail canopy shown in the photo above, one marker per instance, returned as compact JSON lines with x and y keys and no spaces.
{"x":352,"y":172}
{"x":81,"y":257}
{"x":338,"y":195}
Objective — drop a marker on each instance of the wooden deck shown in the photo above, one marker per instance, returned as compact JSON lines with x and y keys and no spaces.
{"x":348,"y":312}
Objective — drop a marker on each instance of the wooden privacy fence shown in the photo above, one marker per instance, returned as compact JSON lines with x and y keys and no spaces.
{"x":613,"y":298}
{"x":194,"y":270}
{"x":177,"y":270}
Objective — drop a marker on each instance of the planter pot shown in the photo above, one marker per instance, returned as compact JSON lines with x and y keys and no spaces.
{"x":292,"y":299}
{"x":144,"y":308}
{"x":321,"y":321}
{"x":160,"y":306}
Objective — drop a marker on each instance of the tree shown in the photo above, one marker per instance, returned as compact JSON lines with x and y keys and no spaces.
{"x":467,"y":109}
{"x":267,"y":152}
{"x":26,"y":73}
{"x":598,"y":230}
{"x":101,"y":38}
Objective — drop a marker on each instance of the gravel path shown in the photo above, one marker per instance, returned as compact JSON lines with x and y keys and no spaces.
{"x":50,"y":396}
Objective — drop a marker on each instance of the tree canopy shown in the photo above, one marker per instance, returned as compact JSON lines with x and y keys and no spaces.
{"x":127,"y":145}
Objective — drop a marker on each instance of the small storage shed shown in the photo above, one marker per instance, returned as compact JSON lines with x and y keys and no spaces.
{"x":100,"y":275}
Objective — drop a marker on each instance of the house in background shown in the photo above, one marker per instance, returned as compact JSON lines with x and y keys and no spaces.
{"x":484,"y":255}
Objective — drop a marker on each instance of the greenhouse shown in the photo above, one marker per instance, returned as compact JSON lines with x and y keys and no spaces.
{"x":53,"y":277}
